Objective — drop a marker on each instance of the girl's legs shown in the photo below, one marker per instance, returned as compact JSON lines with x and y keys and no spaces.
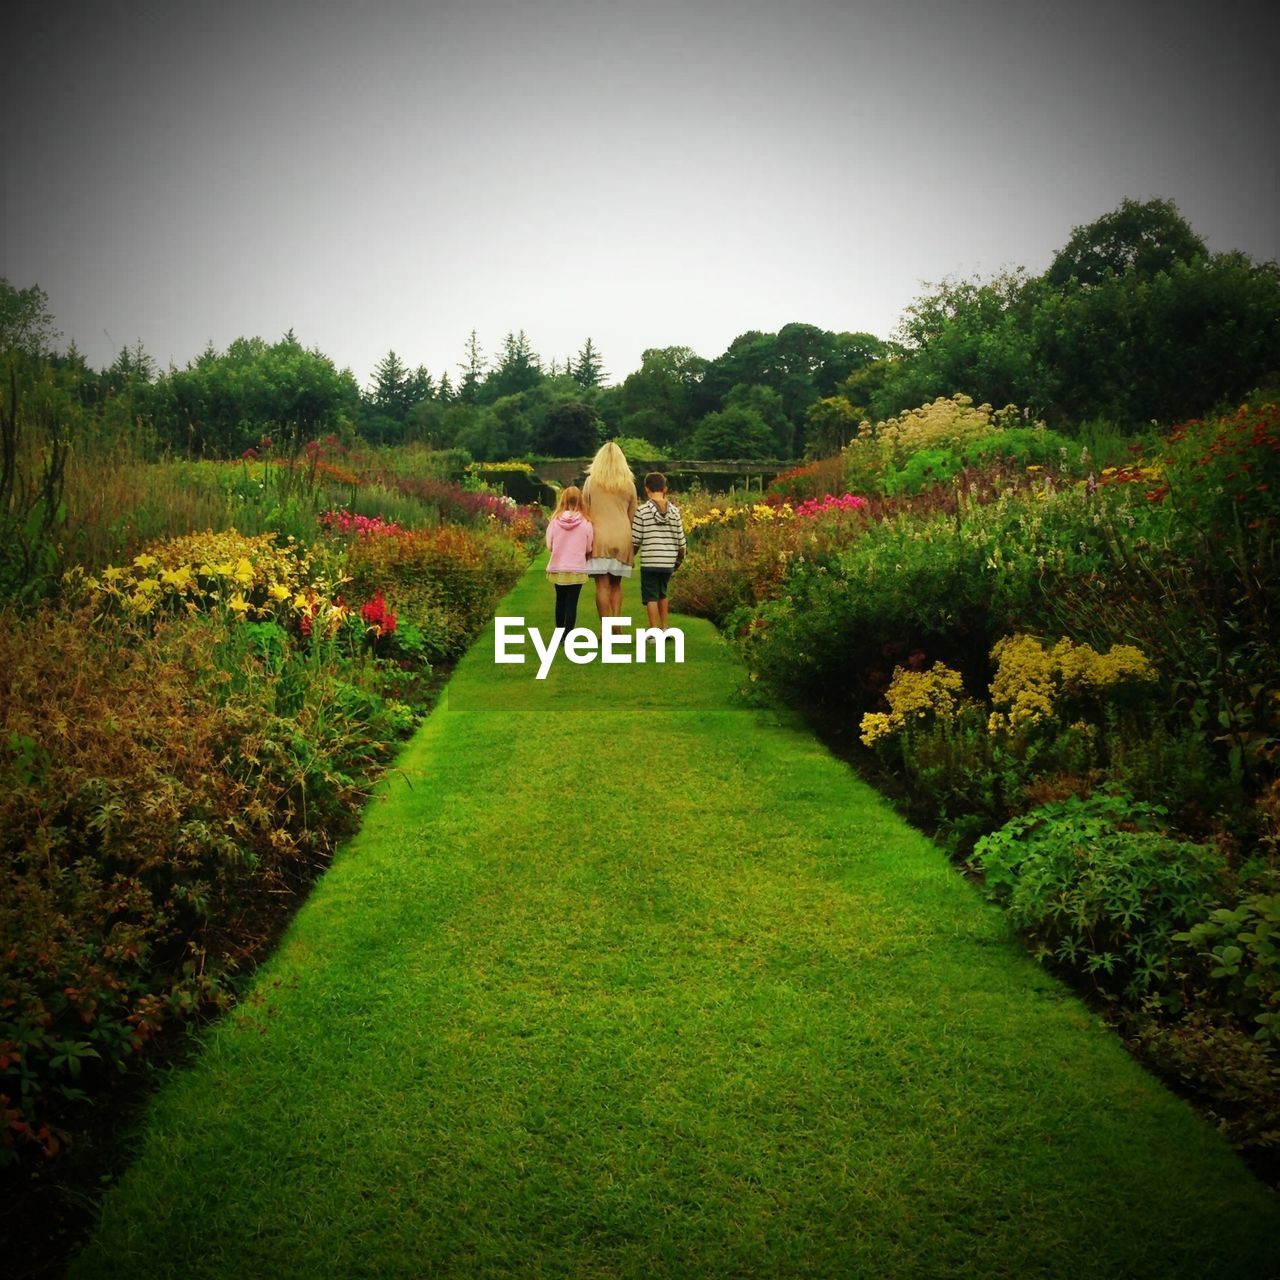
{"x":567,"y":606}
{"x":602,"y":581}
{"x":615,"y":596}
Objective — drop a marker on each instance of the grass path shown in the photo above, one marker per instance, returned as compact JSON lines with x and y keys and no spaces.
{"x":625,"y":977}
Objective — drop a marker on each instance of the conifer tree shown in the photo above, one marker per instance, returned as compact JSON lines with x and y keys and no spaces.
{"x":472,"y":371}
{"x":588,"y":368}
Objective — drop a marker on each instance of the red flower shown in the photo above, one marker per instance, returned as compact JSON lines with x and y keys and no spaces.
{"x":377,"y":615}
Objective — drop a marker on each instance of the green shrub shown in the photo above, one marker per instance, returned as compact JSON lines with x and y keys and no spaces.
{"x":967,"y":780}
{"x":957,"y":776}
{"x":928,"y":467}
{"x":1176,"y":768}
{"x":830,"y":635}
{"x":1030,"y":446}
{"x":1100,"y":887}
{"x":638,"y":450}
{"x":1237,"y":950}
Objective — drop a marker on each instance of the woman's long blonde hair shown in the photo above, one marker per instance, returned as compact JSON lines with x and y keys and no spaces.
{"x":569,"y":499}
{"x":609,"y":471}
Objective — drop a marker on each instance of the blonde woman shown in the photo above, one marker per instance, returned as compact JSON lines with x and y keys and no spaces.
{"x":609,"y":499}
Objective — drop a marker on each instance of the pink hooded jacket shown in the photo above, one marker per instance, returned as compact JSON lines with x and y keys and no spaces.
{"x":570,"y":538}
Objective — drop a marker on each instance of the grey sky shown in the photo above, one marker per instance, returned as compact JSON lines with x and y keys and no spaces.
{"x":394,"y":174}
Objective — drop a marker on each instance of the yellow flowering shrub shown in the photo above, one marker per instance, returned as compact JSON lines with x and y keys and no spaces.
{"x":253,"y":578}
{"x":1032,"y":683}
{"x":945,"y":424}
{"x":1031,"y":680}
{"x":913,"y":696}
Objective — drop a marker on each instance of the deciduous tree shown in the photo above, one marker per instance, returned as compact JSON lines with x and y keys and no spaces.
{"x":572,"y":429}
{"x":1143,"y":236}
{"x":26,"y":323}
{"x":733,"y":433}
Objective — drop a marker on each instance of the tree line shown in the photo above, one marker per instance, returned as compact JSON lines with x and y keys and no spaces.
{"x":1133,"y":321}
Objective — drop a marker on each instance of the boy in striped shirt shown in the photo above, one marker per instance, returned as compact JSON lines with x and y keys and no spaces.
{"x":658,"y":535}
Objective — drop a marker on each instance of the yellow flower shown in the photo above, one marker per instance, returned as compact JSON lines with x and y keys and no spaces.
{"x":238,"y":604}
{"x":244,"y":572}
{"x":1023,"y":685}
{"x":875,"y":725}
{"x":915,"y":695}
{"x":179,"y":579}
{"x":1030,"y":679}
{"x":278,"y":591}
{"x":112,"y":573}
{"x":144,"y":561}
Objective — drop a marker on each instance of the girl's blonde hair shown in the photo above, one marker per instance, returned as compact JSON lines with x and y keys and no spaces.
{"x":609,"y":471}
{"x":569,"y":499}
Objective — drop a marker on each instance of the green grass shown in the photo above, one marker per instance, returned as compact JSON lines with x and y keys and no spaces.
{"x":625,"y":976}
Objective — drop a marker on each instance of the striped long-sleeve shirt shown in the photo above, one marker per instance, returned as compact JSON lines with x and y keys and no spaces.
{"x":658,"y":536}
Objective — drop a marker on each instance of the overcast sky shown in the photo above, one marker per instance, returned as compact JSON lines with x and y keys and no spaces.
{"x":392,"y":174}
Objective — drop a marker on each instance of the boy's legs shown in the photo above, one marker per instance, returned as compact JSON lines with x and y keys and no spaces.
{"x":653,"y":594}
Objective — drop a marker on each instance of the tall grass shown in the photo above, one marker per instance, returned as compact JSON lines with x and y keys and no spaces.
{"x":87,"y":489}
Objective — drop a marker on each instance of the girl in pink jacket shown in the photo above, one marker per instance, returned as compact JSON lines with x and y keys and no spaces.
{"x":571,"y":538}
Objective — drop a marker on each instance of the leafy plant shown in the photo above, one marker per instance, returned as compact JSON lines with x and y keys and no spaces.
{"x":1240,"y":949}
{"x":927,"y":467}
{"x":1100,"y":887}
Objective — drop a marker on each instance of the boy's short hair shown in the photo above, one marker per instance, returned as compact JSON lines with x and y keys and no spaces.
{"x":655,"y":482}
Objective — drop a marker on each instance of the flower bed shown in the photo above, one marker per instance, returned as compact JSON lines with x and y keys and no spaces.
{"x":182,"y":742}
{"x":1013,"y":632}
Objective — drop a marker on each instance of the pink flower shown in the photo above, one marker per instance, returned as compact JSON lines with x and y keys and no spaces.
{"x":828,"y":504}
{"x":361,"y":526}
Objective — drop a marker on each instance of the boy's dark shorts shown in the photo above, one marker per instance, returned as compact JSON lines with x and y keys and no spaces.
{"x":653,"y":584}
